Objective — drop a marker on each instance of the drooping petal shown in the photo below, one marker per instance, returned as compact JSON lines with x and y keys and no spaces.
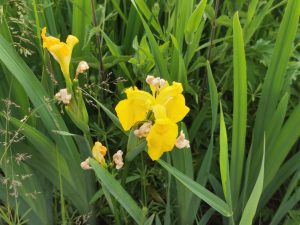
{"x":161,"y":138}
{"x":99,"y":151}
{"x":134,"y":108}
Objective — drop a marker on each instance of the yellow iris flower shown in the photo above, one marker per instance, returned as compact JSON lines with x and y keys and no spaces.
{"x":139,"y":103}
{"x":163,"y":134}
{"x":168,"y":106}
{"x":61,"y":51}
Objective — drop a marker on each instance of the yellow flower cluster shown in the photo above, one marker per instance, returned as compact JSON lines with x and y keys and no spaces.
{"x":164,"y":108}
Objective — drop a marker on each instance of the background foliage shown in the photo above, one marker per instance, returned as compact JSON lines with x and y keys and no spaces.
{"x":239,"y":63}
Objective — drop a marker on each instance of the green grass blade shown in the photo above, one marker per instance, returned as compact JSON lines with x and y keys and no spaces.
{"x":223,"y":158}
{"x":256,"y":20}
{"x":252,"y":203}
{"x":205,"y":167}
{"x":143,"y":8}
{"x":182,"y":161}
{"x":206,"y":164}
{"x":272,"y":87}
{"x":277,"y":121}
{"x":198,"y":120}
{"x":239,"y":108}
{"x":288,"y":136}
{"x":206,"y":217}
{"x":183,"y":10}
{"x":132,"y":29}
{"x":286,"y":206}
{"x":116,"y":190}
{"x":194,"y":21}
{"x":287,"y":170}
{"x":201,"y":192}
{"x":251,"y":10}
{"x":82,"y":18}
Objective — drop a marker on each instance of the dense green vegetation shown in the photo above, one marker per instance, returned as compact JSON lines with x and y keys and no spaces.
{"x":238,"y":62}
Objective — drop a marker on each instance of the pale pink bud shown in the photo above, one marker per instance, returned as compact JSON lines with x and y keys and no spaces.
{"x":149,"y":79}
{"x":144,"y":130}
{"x":85,"y":164}
{"x":118,"y":159}
{"x":181,"y":142}
{"x":63,"y":96}
{"x":82,"y":67}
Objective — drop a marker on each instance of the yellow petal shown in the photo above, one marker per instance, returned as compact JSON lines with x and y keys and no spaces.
{"x":124,"y":114}
{"x":134,"y":108}
{"x":71,"y":41}
{"x":174,"y":102}
{"x":61,"y":51}
{"x":159,"y":111}
{"x":48,"y":41}
{"x":168,"y":93}
{"x":161,"y":138}
{"x":176,"y":108}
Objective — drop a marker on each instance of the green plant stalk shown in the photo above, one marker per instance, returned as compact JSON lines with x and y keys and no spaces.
{"x":62,"y":200}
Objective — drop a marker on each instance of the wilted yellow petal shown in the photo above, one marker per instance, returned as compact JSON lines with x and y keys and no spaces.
{"x":161,"y":138}
{"x":99,"y":151}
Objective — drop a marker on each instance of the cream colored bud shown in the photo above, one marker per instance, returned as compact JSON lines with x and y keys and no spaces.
{"x":85,"y":165}
{"x":156,"y":82}
{"x":149,"y":79}
{"x":63,"y":96}
{"x":82,"y":67}
{"x":118,"y":159}
{"x":162,"y":83}
{"x":181,"y":142}
{"x":144,"y":130}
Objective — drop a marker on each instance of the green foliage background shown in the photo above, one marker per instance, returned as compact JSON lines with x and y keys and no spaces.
{"x":239,"y":63}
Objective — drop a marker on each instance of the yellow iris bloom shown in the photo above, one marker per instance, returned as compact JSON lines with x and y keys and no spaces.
{"x":163,"y":134}
{"x":99,"y":151}
{"x":61,"y":51}
{"x":139,"y":103}
{"x":167,"y":104}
